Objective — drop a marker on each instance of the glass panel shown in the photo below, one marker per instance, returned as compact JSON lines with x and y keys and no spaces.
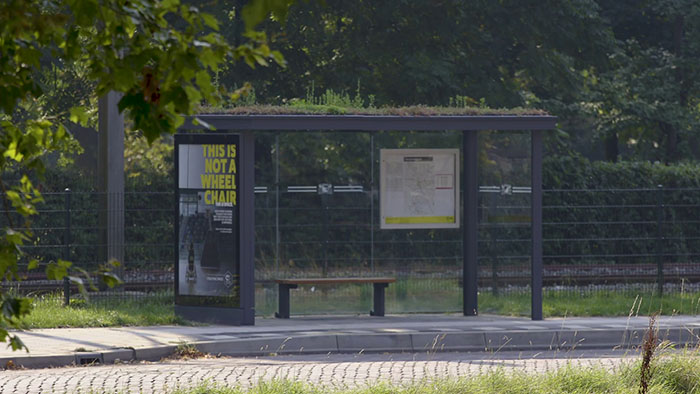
{"x":325,"y":223}
{"x":505,"y":243}
{"x":426,"y":262}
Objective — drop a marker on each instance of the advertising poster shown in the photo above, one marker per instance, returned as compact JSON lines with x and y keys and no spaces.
{"x":419,"y":188}
{"x":208,"y":241}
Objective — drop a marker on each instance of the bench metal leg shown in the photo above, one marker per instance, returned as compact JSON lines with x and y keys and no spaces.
{"x":378,"y":299}
{"x":284,"y":300}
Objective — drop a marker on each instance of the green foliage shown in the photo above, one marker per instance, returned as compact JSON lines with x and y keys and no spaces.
{"x":146,"y":162}
{"x":598,"y":203}
{"x":422,"y":52}
{"x":576,"y":172}
{"x":621,"y":75}
{"x":13,"y":309}
{"x":645,"y":96}
{"x":466,"y":102}
{"x":186,"y":351}
{"x":159,"y":54}
{"x":332,"y":99}
{"x":301,"y":107}
{"x":342,"y":102}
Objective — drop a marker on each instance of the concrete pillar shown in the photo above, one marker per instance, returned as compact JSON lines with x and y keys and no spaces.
{"x":110,"y":178}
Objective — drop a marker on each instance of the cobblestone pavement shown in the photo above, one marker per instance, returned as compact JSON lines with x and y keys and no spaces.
{"x":336,"y":371}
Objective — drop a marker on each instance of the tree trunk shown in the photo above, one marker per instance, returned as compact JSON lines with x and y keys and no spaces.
{"x":612,"y":150}
{"x":678,"y":26}
{"x":671,"y":154}
{"x":671,"y":131}
{"x":694,"y":145}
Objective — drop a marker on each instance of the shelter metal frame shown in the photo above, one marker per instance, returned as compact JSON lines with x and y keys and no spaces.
{"x":469,"y":125}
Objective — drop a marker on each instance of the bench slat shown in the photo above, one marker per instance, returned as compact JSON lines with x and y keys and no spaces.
{"x":323,"y":281}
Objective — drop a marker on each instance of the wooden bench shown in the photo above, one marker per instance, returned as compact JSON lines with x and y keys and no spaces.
{"x":285,"y":284}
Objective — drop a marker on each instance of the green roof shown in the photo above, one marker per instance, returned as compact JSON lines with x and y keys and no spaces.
{"x":416,"y":110}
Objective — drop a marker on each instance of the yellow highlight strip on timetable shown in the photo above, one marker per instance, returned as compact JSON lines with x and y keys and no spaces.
{"x":420,"y":219}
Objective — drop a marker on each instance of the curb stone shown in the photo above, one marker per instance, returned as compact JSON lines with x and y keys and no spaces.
{"x":377,"y":342}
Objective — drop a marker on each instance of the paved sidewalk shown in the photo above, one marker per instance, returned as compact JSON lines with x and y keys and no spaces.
{"x":344,"y":334}
{"x":336,"y":371}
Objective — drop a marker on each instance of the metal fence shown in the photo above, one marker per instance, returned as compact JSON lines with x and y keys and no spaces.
{"x":622,"y":240}
{"x":72,"y":226}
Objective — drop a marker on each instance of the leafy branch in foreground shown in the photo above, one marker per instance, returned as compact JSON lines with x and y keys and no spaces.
{"x":158,"y":54}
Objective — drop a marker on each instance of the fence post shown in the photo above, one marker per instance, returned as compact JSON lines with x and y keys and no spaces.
{"x":278,"y":274}
{"x":66,"y":246}
{"x":324,"y":207}
{"x":659,"y":239}
{"x":371,"y":201}
{"x":494,"y":233}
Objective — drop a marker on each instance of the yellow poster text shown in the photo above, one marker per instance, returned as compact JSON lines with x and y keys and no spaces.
{"x":213,"y":197}
{"x":219,"y":178}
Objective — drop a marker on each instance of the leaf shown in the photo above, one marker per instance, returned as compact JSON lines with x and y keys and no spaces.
{"x":111,"y":279}
{"x":17,"y":344}
{"x":81,"y":284}
{"x":33,"y":264}
{"x":203,"y":44}
{"x":210,"y":20}
{"x":79,"y":115}
{"x":14,"y":308}
{"x":203,"y":80}
{"x":170,"y":4}
{"x":15,"y":237}
{"x":76,"y":280}
{"x":85,"y":11}
{"x":256,"y":11}
{"x":57,"y":271}
{"x":199,"y":121}
{"x":3,"y":334}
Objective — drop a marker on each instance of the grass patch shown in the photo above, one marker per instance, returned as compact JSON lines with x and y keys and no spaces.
{"x":671,"y":374}
{"x":405,"y":296}
{"x":600,"y":303}
{"x":49,"y":312}
{"x":445,"y":295}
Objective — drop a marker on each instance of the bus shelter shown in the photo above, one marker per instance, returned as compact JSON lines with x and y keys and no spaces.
{"x":216,"y":186}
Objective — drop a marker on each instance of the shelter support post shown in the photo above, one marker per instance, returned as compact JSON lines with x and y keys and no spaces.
{"x":470,"y":203}
{"x":284,"y":300}
{"x":110,"y":179}
{"x":379,"y":299}
{"x":536,"y":204}
{"x":247,"y":235}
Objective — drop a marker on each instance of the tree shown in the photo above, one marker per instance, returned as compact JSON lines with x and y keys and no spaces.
{"x":424,"y":52}
{"x":159,"y":54}
{"x":645,"y":97}
{"x":622,"y":75}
